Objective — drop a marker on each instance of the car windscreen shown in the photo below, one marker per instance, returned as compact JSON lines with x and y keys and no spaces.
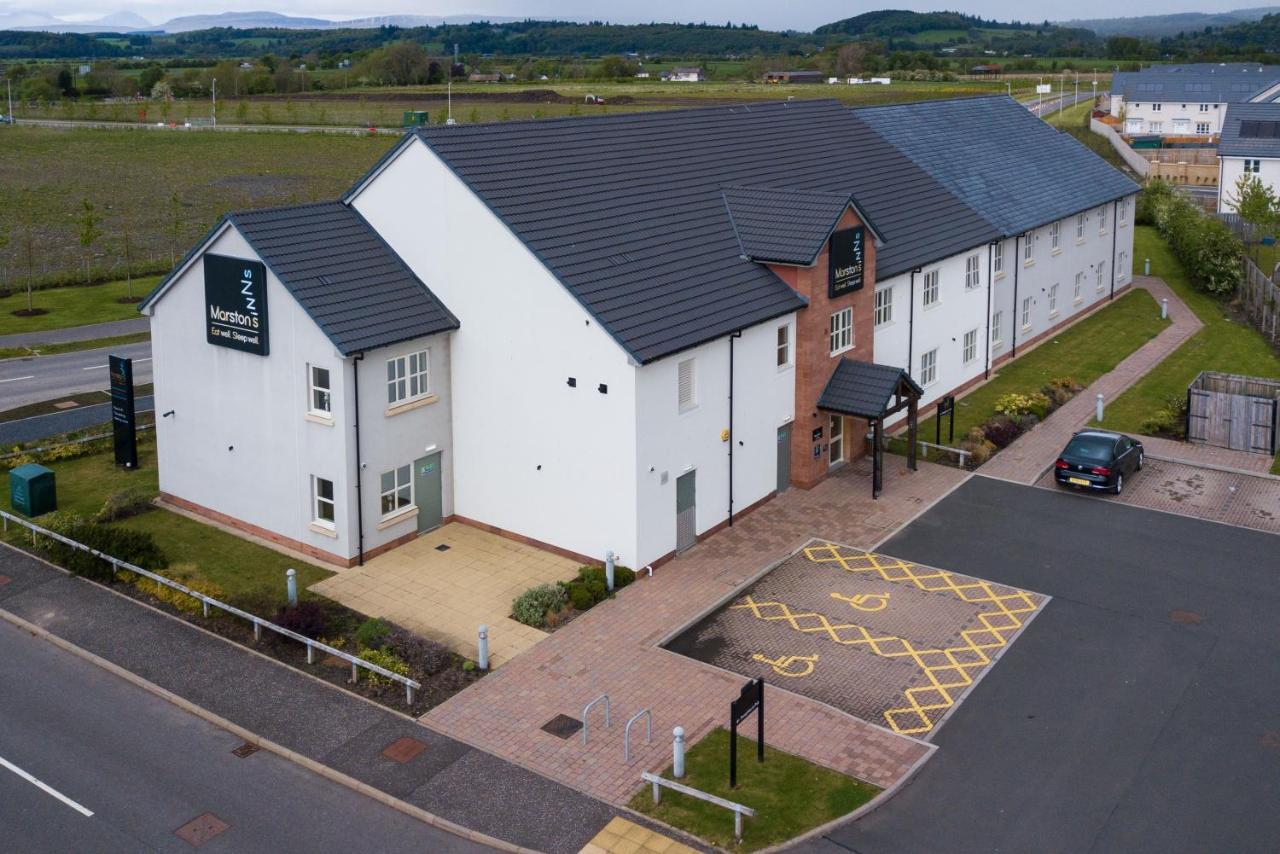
{"x":1092,"y":448}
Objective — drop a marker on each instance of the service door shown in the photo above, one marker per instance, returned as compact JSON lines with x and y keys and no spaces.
{"x":428,"y":492}
{"x":784,"y":457}
{"x":686,"y":511}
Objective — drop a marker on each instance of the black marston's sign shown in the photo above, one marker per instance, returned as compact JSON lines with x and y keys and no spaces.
{"x":124,"y":424}
{"x":750,"y":699}
{"x":235,"y":296}
{"x":845,"y":275}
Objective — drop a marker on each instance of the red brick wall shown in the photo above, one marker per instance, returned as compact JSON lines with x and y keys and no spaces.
{"x":813,"y":359}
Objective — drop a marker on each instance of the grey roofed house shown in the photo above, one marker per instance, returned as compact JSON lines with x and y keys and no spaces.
{"x":1006,"y":163}
{"x":628,"y":210}
{"x":1250,"y":130}
{"x":1197,"y":82}
{"x":343,"y":274}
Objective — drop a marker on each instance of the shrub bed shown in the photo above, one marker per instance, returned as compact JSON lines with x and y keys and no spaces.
{"x":1207,"y":248}
{"x":1015,"y":414}
{"x":549,"y":606}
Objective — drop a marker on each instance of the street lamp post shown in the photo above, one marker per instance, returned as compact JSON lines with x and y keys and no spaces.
{"x":213,"y":110}
{"x":1040,"y":98}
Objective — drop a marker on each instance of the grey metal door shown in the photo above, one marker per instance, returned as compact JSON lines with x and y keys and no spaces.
{"x":428,"y":492}
{"x":784,"y":457}
{"x":686,"y":511}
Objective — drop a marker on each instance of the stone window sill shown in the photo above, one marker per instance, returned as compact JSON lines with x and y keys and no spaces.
{"x":323,"y":529}
{"x":317,"y":418}
{"x":410,"y":405}
{"x":401,"y":515}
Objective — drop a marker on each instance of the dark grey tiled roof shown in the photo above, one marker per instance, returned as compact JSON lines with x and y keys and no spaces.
{"x":627,"y":210}
{"x":351,"y":283}
{"x":786,"y":226}
{"x":1252,"y":140}
{"x":1008,"y":165}
{"x":864,"y":389}
{"x":1201,"y":82}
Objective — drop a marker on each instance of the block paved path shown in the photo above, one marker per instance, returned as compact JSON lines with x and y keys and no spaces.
{"x":1028,"y":457}
{"x":613,"y":649}
{"x":1205,"y":455}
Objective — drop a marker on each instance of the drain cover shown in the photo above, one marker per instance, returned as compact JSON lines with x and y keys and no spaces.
{"x":201,"y":829}
{"x":403,"y":749}
{"x":442,"y":548}
{"x":1185,"y":618}
{"x":562,"y":726}
{"x":245,"y":749}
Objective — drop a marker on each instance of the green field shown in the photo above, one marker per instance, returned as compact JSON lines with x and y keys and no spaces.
{"x":72,"y":306}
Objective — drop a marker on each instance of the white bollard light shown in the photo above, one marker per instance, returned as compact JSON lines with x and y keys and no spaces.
{"x":483,"y":647}
{"x":1164,"y":309}
{"x":291,"y":583}
{"x":677,"y":752}
{"x":608,"y":569}
{"x":1146,"y":267}
{"x":1099,"y":408}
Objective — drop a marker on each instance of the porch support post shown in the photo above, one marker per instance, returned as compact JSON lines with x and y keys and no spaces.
{"x":912,"y":405}
{"x":877,"y":458}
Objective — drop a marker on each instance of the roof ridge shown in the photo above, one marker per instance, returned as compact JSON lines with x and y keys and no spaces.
{"x":293,"y":207}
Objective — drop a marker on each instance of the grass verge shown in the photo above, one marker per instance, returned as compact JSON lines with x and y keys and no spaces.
{"x":790,"y":795}
{"x":88,"y":398}
{"x":71,"y":346}
{"x":1222,"y":345}
{"x":73,"y":306}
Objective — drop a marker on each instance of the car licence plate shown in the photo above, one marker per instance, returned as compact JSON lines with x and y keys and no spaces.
{"x":1079,"y":481}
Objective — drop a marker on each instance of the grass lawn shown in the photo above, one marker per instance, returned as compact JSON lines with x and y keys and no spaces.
{"x":790,"y":795}
{"x":74,"y":306}
{"x":246,"y":572}
{"x":72,"y":346}
{"x":1083,"y":352}
{"x":1222,"y":345}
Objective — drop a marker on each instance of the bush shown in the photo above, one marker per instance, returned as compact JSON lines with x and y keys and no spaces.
{"x":531,"y":606}
{"x":185,"y":574}
{"x":372,"y":633}
{"x":124,"y":503}
{"x":622,"y":576}
{"x":579,"y":596}
{"x":1015,"y":405}
{"x":385,"y":659}
{"x":136,"y":547}
{"x":306,"y":618}
{"x":1206,"y":246}
{"x":423,"y":655}
{"x":1001,"y":431}
{"x":979,"y":451}
{"x":598,"y":590}
{"x":1169,"y":420}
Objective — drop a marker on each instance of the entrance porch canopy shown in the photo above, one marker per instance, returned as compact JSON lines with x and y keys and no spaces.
{"x":874,"y":392}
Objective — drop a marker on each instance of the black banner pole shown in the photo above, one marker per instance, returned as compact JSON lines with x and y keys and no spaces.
{"x":733,"y":755}
{"x":760,"y":724}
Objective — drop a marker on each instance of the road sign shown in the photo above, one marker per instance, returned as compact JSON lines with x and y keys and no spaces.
{"x":750,"y":699}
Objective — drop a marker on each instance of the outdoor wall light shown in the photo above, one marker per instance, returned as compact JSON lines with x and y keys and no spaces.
{"x":572,"y":382}
{"x":167,"y":414}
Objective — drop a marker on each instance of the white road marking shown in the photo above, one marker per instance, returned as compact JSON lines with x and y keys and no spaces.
{"x":96,"y":367}
{"x":18,"y":379}
{"x":46,"y":788}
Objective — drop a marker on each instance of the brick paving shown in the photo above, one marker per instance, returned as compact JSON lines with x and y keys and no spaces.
{"x":614,"y":649}
{"x":1205,"y":455}
{"x":1027,"y":458}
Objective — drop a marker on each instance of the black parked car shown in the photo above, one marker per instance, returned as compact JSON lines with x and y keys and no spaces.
{"x":1098,"y":459}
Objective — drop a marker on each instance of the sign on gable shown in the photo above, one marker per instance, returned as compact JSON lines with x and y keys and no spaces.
{"x":846,"y":261}
{"x":235,"y":295}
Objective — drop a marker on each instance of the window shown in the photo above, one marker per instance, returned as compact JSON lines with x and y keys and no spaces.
{"x":836,"y":445}
{"x":1055,"y":236}
{"x":1155,"y":127}
{"x":929,"y":367}
{"x":970,"y":346}
{"x":841,"y":330}
{"x":1028,"y":247}
{"x":1155,"y":108}
{"x":1102,"y":220}
{"x":1053,"y":300}
{"x":1202,"y":128}
{"x":1252,"y":165}
{"x":687,"y":385}
{"x":1102,"y":266}
{"x":397,"y":490}
{"x":320,"y":399}
{"x":1080,"y":226}
{"x":997,"y":258}
{"x":929,"y":296}
{"x":997,"y":322}
{"x":884,"y":306}
{"x":1076,"y":291}
{"x":1204,"y":108}
{"x":972,"y":272}
{"x":1122,"y":265}
{"x":407,"y":377}
{"x":1026,"y":312}
{"x":784,"y":345}
{"x":1124,"y":213}
{"x":322,"y":511}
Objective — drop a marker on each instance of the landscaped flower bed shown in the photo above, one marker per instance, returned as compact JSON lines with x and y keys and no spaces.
{"x":1015,"y":414}
{"x":550,"y":606}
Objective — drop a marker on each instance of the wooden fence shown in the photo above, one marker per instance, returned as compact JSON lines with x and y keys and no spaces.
{"x":1260,"y":296}
{"x":1232,"y":411}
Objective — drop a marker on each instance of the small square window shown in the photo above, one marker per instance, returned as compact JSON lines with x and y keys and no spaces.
{"x":396,"y":490}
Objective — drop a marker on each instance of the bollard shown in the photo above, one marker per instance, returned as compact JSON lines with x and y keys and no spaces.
{"x":677,"y":752}
{"x":1146,"y":267}
{"x":482,"y":646}
{"x":291,"y":583}
{"x":1164,"y":309}
{"x":608,"y":570}
{"x":1099,"y":408}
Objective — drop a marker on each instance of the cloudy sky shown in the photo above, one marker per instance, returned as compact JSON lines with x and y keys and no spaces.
{"x":770,"y":14}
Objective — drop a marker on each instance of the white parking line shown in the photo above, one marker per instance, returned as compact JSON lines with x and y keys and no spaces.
{"x":46,"y":788}
{"x":18,"y":379}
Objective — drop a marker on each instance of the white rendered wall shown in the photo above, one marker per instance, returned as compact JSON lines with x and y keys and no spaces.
{"x":674,"y":442}
{"x":1231,"y":168}
{"x":1146,"y":112}
{"x":531,"y":455}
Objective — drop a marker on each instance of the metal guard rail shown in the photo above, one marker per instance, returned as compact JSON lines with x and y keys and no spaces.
{"x":208,"y":601}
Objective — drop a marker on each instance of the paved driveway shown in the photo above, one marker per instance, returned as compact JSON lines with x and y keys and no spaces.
{"x":1139,"y":712}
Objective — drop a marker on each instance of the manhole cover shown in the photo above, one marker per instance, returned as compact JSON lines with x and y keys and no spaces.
{"x":245,"y":749}
{"x":1271,"y":739}
{"x":403,"y":749}
{"x":1185,"y":618}
{"x":201,"y":829}
{"x":66,"y":404}
{"x":562,"y":726}
{"x":442,"y":548}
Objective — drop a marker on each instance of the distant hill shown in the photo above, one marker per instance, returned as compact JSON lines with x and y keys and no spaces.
{"x":1160,"y":26}
{"x":128,"y":22}
{"x":900,"y":23}
{"x":243,"y":21}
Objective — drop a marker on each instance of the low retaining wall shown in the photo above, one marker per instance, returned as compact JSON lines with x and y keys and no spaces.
{"x":1135,"y":161}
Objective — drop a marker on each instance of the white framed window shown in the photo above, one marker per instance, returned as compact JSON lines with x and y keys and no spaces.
{"x":835,"y":447}
{"x":1053,"y":300}
{"x":1155,"y":127}
{"x":970,"y":346}
{"x":323,"y":504}
{"x":997,"y":258}
{"x":1102,"y":220}
{"x":1080,"y":226}
{"x":1028,"y":247}
{"x":1055,"y":236}
{"x":929,"y":367}
{"x":884,"y":306}
{"x":1026,"y":312}
{"x":1123,"y":216}
{"x":1102,"y":269}
{"x":1204,"y":108}
{"x":1252,"y":165}
{"x":1078,"y":290}
{"x":320,"y":390}
{"x":841,"y":330}
{"x":1122,"y":266}
{"x":687,"y":384}
{"x":397,"y":490}
{"x":784,"y":345}
{"x":972,"y":272}
{"x":1155,"y":108}
{"x":408,"y":377}
{"x":1202,"y":128}
{"x":929,"y":295}
{"x":997,"y":327}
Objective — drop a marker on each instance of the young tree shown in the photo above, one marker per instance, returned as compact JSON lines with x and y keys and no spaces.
{"x":127,"y":246}
{"x":90,"y":231}
{"x":29,"y":259}
{"x":1256,"y":203}
{"x":175,"y":227}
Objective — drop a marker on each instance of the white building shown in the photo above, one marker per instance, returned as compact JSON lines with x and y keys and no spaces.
{"x":1250,"y":145}
{"x":1189,"y":99}
{"x":686,"y":74}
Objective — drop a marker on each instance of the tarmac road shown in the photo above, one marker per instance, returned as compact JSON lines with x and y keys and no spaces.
{"x":37,"y":378}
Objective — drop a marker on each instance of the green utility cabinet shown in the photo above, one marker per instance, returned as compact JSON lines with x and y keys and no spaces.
{"x":32,"y":490}
{"x":414,"y":118}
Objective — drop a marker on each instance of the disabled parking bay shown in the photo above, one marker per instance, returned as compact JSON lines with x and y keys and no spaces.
{"x":891,"y":642}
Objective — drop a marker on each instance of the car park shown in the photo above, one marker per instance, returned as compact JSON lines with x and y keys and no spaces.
{"x":1098,"y":460}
